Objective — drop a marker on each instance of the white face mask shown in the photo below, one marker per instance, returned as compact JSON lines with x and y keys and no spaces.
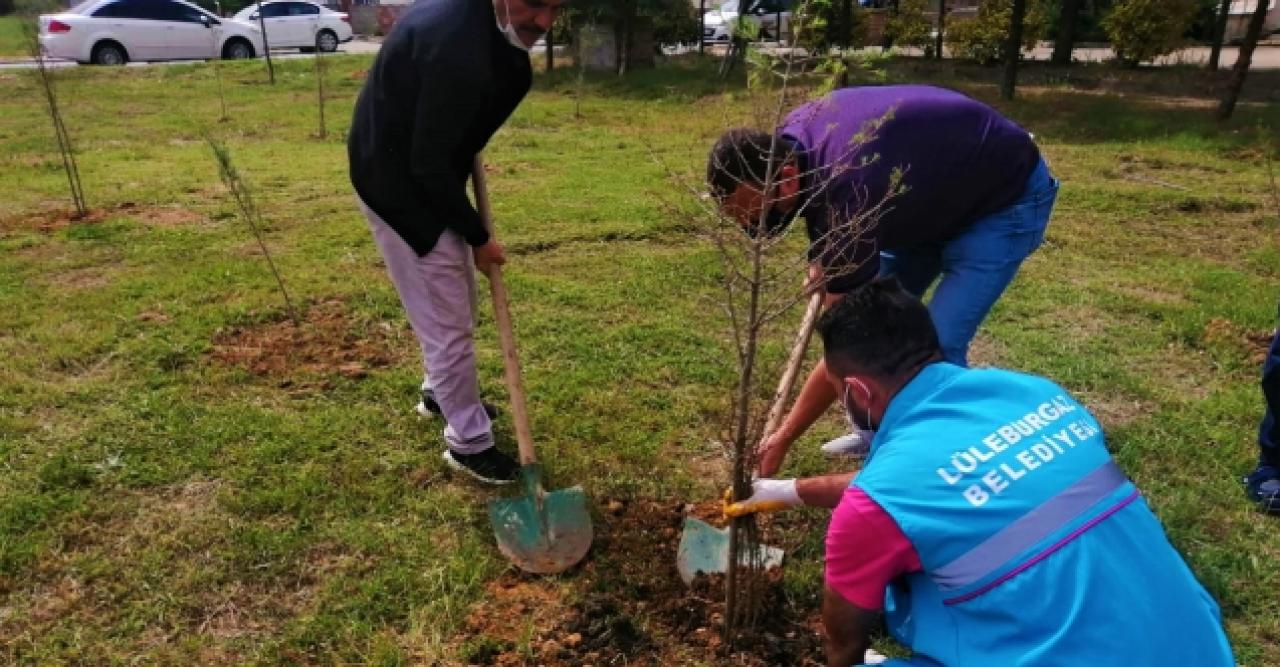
{"x":863,"y":429}
{"x":509,"y":30}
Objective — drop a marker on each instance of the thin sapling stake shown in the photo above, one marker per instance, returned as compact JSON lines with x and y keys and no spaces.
{"x":321,"y":70}
{"x":243,"y":196}
{"x":44,"y":77}
{"x":216,"y":60}
{"x":266,"y":46}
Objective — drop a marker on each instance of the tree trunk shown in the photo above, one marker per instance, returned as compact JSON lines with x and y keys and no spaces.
{"x":942,"y":26}
{"x":551,"y":54}
{"x":1220,"y":34}
{"x":1241,"y":70}
{"x":886,"y":42}
{"x":846,"y":23}
{"x":702,"y":26}
{"x":1013,"y":50}
{"x":1067,"y":20}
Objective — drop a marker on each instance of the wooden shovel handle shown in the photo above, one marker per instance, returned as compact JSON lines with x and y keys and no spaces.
{"x":789,"y":374}
{"x":506,"y":332}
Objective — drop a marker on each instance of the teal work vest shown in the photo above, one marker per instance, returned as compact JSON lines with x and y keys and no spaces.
{"x":1036,"y":549}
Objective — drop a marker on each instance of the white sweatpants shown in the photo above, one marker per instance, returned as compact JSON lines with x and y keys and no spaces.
{"x":437,"y":291}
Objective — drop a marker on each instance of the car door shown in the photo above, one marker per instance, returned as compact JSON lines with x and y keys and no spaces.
{"x":304,"y":20}
{"x":127,"y":22}
{"x":275,"y":20}
{"x":186,"y":36}
{"x":144,"y":31}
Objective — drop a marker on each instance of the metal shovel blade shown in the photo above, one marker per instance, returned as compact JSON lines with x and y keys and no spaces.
{"x":705,"y":549}
{"x":542,"y":532}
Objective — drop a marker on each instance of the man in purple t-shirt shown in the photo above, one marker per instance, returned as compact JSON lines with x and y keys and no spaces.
{"x":911,"y":181}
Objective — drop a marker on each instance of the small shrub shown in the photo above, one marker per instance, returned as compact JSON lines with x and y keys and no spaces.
{"x":983,"y":37}
{"x":910,"y":26}
{"x":1142,"y":30}
{"x":816,"y":24}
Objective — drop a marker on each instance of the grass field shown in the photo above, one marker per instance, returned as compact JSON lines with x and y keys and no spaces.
{"x":12,"y":42}
{"x":172,"y":493}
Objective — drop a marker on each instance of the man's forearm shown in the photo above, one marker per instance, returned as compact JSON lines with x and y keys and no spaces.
{"x":814,"y":399}
{"x":848,"y":630}
{"x":824,"y":491}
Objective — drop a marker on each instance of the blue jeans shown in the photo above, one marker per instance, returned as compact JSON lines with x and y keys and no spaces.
{"x":1269,"y":430}
{"x":977,"y":265}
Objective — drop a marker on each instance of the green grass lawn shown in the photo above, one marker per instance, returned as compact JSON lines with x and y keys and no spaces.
{"x":159,"y":505}
{"x":12,"y":41}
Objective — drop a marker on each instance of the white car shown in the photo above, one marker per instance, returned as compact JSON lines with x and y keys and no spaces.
{"x":719,"y":24}
{"x":300,"y":25}
{"x":113,"y":32}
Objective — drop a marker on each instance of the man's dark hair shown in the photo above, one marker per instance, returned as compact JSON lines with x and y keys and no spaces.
{"x":741,"y":156}
{"x":878,"y":329}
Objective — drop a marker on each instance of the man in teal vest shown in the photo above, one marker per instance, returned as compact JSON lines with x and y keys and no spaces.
{"x":989,"y":522}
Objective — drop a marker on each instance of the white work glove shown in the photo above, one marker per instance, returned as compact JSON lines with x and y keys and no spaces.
{"x":767,"y":495}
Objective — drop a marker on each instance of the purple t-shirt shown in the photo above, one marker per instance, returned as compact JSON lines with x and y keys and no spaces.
{"x":960,"y":160}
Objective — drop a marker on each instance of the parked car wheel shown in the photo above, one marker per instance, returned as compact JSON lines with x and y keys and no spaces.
{"x":237,"y":49}
{"x":108,"y":53}
{"x":326,"y":41}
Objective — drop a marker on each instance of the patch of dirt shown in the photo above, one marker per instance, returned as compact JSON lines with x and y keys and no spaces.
{"x":85,"y":278}
{"x":985,"y":350}
{"x":153,"y":317}
{"x":56,"y":219}
{"x":627,"y":605}
{"x":1250,"y":344}
{"x":165,"y":216}
{"x":1150,"y":294}
{"x":1113,"y":411}
{"x":330,"y":340}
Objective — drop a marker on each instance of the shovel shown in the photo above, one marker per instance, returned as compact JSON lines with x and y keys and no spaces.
{"x":705,"y":548}
{"x":541,"y":532}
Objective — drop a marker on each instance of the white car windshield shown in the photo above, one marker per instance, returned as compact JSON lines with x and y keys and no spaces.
{"x":730,"y":7}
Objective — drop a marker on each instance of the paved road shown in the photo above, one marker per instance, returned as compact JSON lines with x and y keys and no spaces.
{"x":354,"y":46}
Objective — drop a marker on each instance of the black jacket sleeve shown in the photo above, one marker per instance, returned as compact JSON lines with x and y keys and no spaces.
{"x":447,"y":99}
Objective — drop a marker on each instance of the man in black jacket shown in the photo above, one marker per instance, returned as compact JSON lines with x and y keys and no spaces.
{"x":446,"y":78}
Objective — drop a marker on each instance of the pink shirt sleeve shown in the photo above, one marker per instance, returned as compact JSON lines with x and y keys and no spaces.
{"x":865,"y":551}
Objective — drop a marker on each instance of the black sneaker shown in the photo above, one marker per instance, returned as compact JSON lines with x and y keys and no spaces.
{"x":1263,"y":487}
{"x":490,"y":466}
{"x":428,"y":407}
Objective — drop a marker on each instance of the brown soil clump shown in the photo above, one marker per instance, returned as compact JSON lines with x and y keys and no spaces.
{"x":57,"y":219}
{"x":1253,"y":343}
{"x":627,"y":605}
{"x":328,"y":341}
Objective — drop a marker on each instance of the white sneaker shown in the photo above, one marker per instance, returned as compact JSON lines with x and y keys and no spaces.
{"x":850,"y":445}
